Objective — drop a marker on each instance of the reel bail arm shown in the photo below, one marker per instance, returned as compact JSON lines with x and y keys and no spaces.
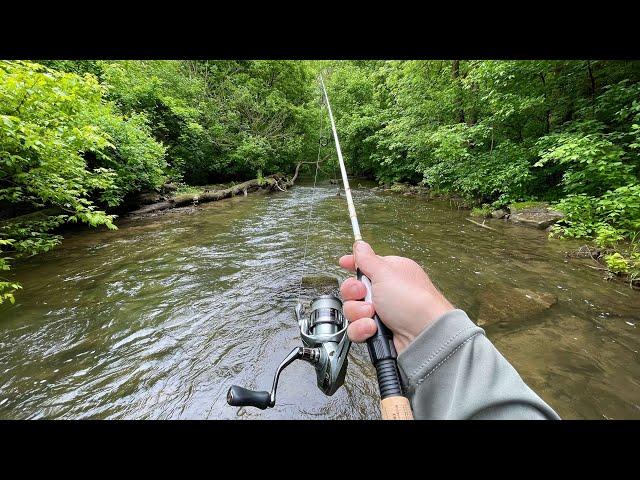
{"x":243,"y":397}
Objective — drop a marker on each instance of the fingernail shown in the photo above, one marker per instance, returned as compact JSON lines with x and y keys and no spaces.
{"x":361,"y":247}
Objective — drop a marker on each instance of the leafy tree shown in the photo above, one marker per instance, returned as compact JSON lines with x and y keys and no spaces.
{"x":62,"y":148}
{"x":79,"y":137}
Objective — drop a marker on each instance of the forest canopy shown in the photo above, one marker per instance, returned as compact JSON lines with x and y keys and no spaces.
{"x":78,"y":138}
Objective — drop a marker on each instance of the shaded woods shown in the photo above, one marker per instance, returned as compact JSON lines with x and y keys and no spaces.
{"x":78,"y":139}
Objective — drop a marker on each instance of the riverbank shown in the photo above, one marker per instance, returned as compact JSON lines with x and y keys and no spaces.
{"x":537,"y":215}
{"x":618,"y":261}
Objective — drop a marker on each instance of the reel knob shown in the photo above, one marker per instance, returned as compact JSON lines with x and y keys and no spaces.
{"x":242,"y":397}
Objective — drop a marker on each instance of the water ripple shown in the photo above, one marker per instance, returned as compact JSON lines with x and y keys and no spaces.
{"x":158,"y":319}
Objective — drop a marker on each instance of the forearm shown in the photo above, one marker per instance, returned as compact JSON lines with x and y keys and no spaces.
{"x":452,"y":371}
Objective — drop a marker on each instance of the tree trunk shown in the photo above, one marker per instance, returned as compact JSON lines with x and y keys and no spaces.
{"x":547,"y":116}
{"x":455,"y":75}
{"x":473,"y":117}
{"x":592,"y":81}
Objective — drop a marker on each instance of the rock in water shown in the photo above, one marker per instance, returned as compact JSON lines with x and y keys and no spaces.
{"x":538,"y":217}
{"x":500,"y":213}
{"x":315,"y":285}
{"x":503,"y":303}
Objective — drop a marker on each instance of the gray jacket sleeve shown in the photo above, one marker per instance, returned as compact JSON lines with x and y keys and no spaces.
{"x":452,"y":371}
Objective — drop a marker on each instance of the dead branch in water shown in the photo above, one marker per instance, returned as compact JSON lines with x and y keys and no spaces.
{"x":278,"y":186}
{"x":295,"y":175}
{"x":481,"y":224}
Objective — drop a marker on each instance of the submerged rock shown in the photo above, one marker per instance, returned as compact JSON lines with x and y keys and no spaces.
{"x":314,"y":285}
{"x":538,"y":217}
{"x":500,"y":213}
{"x":400,"y":188}
{"x":404,"y":188}
{"x":504,"y":303}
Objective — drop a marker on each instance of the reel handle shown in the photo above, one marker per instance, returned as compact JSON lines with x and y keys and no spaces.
{"x":243,"y":397}
{"x":383,"y":356}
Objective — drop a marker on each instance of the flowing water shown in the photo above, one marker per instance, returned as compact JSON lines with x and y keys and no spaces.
{"x":157,"y":319}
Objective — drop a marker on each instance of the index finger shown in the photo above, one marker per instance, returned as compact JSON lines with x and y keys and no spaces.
{"x":347,"y":262}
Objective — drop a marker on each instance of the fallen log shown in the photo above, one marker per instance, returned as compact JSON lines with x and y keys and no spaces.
{"x":267,"y":183}
{"x":270,"y":182}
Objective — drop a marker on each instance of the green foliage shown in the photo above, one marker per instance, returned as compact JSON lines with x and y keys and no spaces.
{"x":220,"y":120}
{"x":171,"y":100}
{"x":515,"y":206}
{"x":63,"y":148}
{"x":502,"y":132}
{"x":79,"y":137}
{"x":607,"y":236}
{"x":593,"y":164}
{"x":137,"y":160}
{"x":484,"y":211}
{"x":587,"y":217}
{"x":7,"y":288}
{"x":617,"y":263}
{"x":612,"y":221}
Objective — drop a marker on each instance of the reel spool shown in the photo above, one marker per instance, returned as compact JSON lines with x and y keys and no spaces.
{"x":326,"y":345}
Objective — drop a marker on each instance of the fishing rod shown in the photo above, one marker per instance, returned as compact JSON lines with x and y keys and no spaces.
{"x":323,"y":329}
{"x":393,"y":405}
{"x":324,"y":335}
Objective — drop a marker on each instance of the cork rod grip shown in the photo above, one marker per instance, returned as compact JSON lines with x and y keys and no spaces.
{"x":382,"y":351}
{"x":396,"y":408}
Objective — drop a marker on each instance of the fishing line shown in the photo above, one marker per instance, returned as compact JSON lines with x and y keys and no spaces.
{"x":312,"y":196}
{"x":324,"y":330}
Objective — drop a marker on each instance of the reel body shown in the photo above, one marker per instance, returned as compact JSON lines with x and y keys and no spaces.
{"x":326,"y":330}
{"x":326,"y":345}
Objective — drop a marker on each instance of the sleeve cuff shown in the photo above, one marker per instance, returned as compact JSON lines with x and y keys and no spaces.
{"x":434,"y":344}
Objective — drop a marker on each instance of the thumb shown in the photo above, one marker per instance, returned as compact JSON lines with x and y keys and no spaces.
{"x":366,"y":259}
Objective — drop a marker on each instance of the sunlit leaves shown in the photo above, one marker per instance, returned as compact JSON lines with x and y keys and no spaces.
{"x":62,"y":147}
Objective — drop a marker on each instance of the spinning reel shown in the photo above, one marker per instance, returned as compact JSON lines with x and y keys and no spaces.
{"x":326,"y":345}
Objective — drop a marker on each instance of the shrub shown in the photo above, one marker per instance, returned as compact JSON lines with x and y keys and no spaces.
{"x":62,"y":147}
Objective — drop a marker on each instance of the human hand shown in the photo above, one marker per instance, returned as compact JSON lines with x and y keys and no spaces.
{"x":403,"y":296}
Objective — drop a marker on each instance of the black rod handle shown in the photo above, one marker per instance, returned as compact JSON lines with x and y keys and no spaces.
{"x":382,"y":351}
